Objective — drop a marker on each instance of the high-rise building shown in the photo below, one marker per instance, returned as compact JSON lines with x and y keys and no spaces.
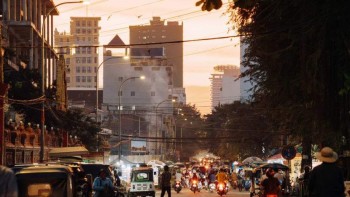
{"x":160,"y":31}
{"x":80,"y":49}
{"x":225,"y":86}
{"x":246,"y":85}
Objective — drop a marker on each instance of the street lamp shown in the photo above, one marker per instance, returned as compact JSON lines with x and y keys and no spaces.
{"x":43,"y":73}
{"x":98,"y":68}
{"x":120,"y":114}
{"x":172,"y":100}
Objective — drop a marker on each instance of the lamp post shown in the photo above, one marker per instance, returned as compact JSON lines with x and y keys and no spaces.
{"x":43,"y":74}
{"x":98,"y":68}
{"x":172,"y":100}
{"x":120,"y":114}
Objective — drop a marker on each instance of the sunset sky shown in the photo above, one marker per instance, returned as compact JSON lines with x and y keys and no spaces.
{"x":199,"y":57}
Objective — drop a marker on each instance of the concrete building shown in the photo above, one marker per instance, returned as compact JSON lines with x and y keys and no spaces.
{"x":80,"y":49}
{"x":149,"y":99}
{"x":246,"y":85}
{"x":225,"y":85}
{"x":21,"y":32}
{"x":160,"y":31}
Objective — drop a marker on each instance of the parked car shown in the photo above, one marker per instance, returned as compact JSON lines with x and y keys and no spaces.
{"x":46,"y":180}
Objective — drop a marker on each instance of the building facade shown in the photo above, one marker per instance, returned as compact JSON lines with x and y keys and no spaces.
{"x":246,"y":85}
{"x":225,"y":85}
{"x":80,"y":49}
{"x":160,"y":31}
{"x":150,"y":99}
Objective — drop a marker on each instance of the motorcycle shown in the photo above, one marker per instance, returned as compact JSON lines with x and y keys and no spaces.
{"x":177,"y":186}
{"x":194,"y":186}
{"x":222,"y":189}
{"x":212,"y":187}
{"x":247,"y":185}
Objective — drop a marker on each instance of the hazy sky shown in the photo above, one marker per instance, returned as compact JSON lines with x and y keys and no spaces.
{"x":199,"y":57}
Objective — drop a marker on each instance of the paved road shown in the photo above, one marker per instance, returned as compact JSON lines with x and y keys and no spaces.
{"x":204,"y":193}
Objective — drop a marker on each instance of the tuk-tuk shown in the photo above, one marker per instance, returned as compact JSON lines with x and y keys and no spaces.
{"x":258,"y":172}
{"x":42,"y":180}
{"x":141,"y":182}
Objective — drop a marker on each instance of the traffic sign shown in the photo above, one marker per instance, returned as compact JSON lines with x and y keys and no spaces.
{"x":289,"y":152}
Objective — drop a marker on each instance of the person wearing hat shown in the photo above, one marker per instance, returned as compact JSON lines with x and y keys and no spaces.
{"x":326,"y":179}
{"x":102,"y":185}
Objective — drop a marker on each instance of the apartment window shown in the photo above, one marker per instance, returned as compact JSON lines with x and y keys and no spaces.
{"x":77,"y":23}
{"x":138,"y":68}
{"x":77,"y":50}
{"x":83,"y":69}
{"x":89,"y":49}
{"x":132,"y":93}
{"x":68,"y":79}
{"x":77,"y":69}
{"x":120,"y":78}
{"x":95,"y":39}
{"x":95,"y":23}
{"x":155,"y":68}
{"x":68,"y":69}
{"x":67,"y":39}
{"x":61,"y":39}
{"x":68,"y":61}
{"x":83,"y":23}
{"x":95,"y":60}
{"x":89,"y":79}
{"x":168,"y":68}
{"x":83,"y":79}
{"x":77,"y":60}
{"x":88,"y":69}
{"x":78,"y":39}
{"x":95,"y":31}
{"x":83,"y":39}
{"x":78,"y":31}
{"x":68,"y":50}
{"x":95,"y":69}
{"x":88,"y":31}
{"x":83,"y":31}
{"x":89,"y":23}
{"x":77,"y":78}
{"x":88,"y":60}
{"x":153,"y":93}
{"x":83,"y":50}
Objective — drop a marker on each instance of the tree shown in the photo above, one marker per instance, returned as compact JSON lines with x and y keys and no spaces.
{"x":298,"y":58}
{"x":188,"y":130}
{"x":239,"y":130}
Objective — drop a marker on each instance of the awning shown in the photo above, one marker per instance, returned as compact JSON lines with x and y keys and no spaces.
{"x":68,"y":151}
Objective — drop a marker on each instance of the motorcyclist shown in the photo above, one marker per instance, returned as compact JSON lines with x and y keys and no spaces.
{"x":221,"y":176}
{"x":178,"y":176}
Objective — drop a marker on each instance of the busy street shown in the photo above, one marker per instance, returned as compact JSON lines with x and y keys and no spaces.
{"x":181,"y":98}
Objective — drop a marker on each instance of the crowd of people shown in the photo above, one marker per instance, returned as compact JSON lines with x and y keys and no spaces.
{"x":324,"y":180}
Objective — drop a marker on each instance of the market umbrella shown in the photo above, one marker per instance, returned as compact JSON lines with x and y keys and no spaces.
{"x":274,"y":166}
{"x":250,"y":160}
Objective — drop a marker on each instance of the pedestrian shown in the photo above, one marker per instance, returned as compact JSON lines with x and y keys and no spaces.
{"x":165,"y":182}
{"x":102,"y":185}
{"x":8,"y":183}
{"x":271,"y":185}
{"x":326,"y":179}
